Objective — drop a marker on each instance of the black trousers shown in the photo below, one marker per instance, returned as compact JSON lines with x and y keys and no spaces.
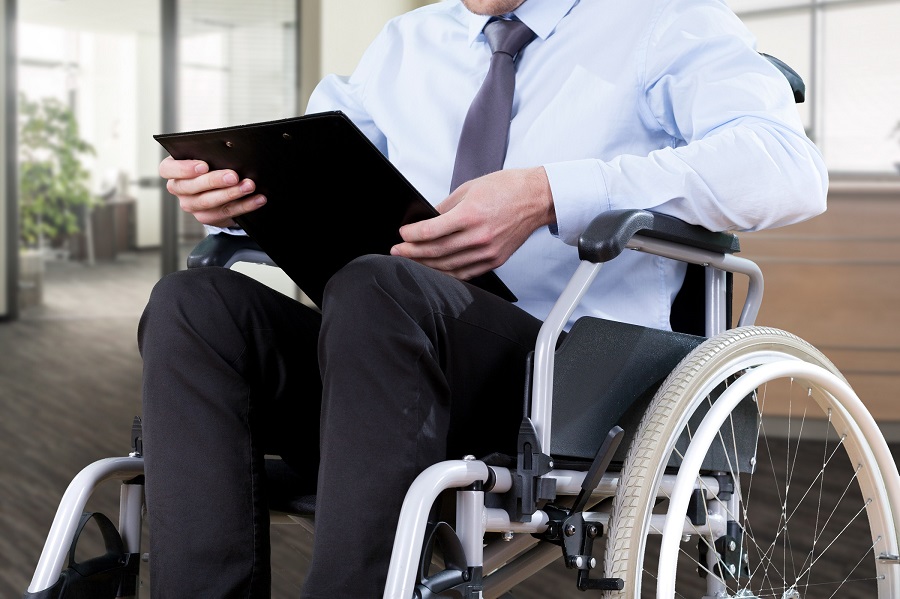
{"x":404,"y":367}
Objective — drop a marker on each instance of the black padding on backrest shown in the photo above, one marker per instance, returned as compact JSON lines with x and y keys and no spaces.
{"x":688,"y":309}
{"x":602,"y":368}
{"x":688,"y":313}
{"x":798,"y":87}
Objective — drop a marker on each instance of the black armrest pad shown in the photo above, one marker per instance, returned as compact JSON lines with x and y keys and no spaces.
{"x":219,"y":248}
{"x":609,"y":233}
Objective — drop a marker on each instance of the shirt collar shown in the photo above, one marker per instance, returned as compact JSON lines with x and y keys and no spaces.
{"x":541,"y":16}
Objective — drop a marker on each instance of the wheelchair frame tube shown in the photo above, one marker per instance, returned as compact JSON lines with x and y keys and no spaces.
{"x":131,"y":501}
{"x":71,"y":506}
{"x":545,"y":348}
{"x":724,"y":262}
{"x":580,"y":282}
{"x":470,"y":525}
{"x":568,"y":482}
{"x":716,"y":292}
{"x":497,"y":519}
{"x":410,"y":533}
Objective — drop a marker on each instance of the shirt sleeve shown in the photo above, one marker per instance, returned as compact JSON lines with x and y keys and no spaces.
{"x":739,"y":158}
{"x":348,"y":93}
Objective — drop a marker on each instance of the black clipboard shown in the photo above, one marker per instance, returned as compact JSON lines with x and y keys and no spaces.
{"x":323,"y":179}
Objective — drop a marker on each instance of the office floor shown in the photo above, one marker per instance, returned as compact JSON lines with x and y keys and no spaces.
{"x":69,"y":389}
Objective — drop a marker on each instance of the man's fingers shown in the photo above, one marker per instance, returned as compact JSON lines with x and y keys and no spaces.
{"x":215,"y":187}
{"x":215,"y":199}
{"x":432,"y":228}
{"x":223,"y":216}
{"x":193,"y":177}
{"x":170,"y":168}
{"x":243,"y":206}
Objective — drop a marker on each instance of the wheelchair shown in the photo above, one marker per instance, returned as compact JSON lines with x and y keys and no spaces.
{"x":647,"y":447}
{"x":711,"y":461}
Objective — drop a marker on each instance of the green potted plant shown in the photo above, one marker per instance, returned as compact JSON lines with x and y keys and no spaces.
{"x":53,"y":185}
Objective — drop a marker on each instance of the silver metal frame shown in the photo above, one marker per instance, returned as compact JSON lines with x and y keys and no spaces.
{"x":62,"y":532}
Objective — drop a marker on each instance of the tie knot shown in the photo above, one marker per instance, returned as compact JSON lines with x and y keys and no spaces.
{"x":507,"y":36}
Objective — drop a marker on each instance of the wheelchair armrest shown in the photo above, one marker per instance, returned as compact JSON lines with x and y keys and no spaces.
{"x":222,"y":249}
{"x":609,"y":233}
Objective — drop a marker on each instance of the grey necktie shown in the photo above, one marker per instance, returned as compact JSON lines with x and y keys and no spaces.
{"x":482,"y":143}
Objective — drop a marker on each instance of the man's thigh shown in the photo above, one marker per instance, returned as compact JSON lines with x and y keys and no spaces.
{"x":474,"y":345}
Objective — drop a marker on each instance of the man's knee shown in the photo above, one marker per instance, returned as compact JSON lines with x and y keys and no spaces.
{"x":367,"y":278}
{"x":176,"y":290}
{"x":172,"y":287}
{"x":199,"y":286}
{"x":187,"y":296}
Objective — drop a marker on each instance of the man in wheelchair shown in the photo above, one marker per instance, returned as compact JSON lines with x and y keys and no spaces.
{"x":661,"y":105}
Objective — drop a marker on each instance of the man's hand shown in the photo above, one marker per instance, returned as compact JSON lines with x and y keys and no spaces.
{"x":481,"y":223}
{"x":214,"y":198}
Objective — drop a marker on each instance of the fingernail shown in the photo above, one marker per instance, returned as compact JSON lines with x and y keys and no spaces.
{"x":394,"y":251}
{"x":201,"y":168}
{"x":259,"y":201}
{"x":246,"y":187}
{"x":230,"y":179}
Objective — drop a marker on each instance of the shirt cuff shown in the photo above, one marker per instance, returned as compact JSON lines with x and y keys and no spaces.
{"x":212,"y":230}
{"x":579,"y":194}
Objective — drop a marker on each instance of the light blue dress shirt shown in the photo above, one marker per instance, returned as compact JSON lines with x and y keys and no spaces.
{"x":657,"y":104}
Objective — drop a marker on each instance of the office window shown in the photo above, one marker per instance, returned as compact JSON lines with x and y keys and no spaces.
{"x":237,"y":65}
{"x":861,"y":86}
{"x":848,"y":53}
{"x":48,"y":62}
{"x":740,"y":6}
{"x":92,"y":73}
{"x":787,"y":36}
{"x":204,"y":80}
{"x":237,"y":62}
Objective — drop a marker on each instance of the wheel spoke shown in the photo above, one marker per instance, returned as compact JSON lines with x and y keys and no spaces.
{"x":801,"y":520}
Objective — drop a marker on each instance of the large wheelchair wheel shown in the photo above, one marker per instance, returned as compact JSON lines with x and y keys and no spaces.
{"x":756,"y":472}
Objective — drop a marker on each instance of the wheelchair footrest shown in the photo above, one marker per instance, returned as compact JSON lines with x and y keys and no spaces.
{"x":457,"y":579}
{"x":111,"y":575}
{"x":599,"y":584}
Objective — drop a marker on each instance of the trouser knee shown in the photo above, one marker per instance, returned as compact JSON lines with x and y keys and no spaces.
{"x":191,"y":302}
{"x":358,"y":290}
